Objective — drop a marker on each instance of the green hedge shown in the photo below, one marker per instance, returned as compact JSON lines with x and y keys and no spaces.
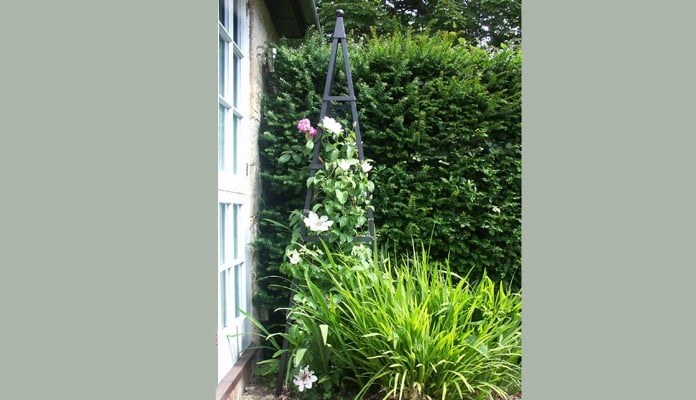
{"x":442,"y":122}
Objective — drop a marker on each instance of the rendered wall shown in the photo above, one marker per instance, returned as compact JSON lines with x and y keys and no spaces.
{"x":261,"y":32}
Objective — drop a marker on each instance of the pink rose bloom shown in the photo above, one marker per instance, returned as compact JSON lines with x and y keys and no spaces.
{"x":312,"y":132}
{"x":304,"y":125}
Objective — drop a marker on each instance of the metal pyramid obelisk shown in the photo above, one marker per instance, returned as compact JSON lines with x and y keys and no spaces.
{"x":339,"y":36}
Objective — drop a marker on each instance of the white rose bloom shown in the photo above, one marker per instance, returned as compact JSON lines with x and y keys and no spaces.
{"x":331,"y":125}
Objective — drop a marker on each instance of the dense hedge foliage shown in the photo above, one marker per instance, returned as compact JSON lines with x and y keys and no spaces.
{"x":442,"y":122}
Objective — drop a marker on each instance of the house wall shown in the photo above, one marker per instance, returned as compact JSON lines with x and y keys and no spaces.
{"x":261,"y":32}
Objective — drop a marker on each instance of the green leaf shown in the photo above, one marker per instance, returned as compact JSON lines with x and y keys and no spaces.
{"x":324,"y":332}
{"x":480,"y":347}
{"x":299,"y":356}
{"x":341,"y":196}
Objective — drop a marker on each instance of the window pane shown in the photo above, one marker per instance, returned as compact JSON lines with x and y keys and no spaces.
{"x":237,"y":282}
{"x":237,"y":22}
{"x":223,"y":298}
{"x":230,"y":298}
{"x":236,"y":71}
{"x":242,"y":286}
{"x":222,"y":228}
{"x":235,"y":230}
{"x":222,"y":12}
{"x":222,"y":67}
{"x":235,"y":144}
{"x":222,"y":116}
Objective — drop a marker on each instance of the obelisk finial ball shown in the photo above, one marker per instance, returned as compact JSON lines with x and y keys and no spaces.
{"x":339,"y":13}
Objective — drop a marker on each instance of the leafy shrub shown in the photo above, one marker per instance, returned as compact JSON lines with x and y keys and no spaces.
{"x":442,"y":122}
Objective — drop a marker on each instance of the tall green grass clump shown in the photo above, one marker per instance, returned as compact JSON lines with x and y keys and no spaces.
{"x":410,"y":328}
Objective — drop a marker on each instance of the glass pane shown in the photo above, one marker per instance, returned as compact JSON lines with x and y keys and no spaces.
{"x":222,"y":116}
{"x":242,"y":288}
{"x":236,"y":71}
{"x":221,"y":12}
{"x":222,"y":228}
{"x":238,"y":293}
{"x":237,"y":21}
{"x":235,"y":144}
{"x":235,"y":230}
{"x":230,"y":306}
{"x":222,"y":70}
{"x":223,"y":298}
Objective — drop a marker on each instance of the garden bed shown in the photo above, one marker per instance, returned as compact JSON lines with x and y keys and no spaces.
{"x":257,"y":389}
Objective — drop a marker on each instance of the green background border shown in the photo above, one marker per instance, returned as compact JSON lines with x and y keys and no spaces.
{"x":109,"y":193}
{"x":608,"y":194}
{"x":108,"y":156}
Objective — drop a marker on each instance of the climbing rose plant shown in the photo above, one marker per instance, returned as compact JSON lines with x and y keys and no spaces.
{"x":341,"y":194}
{"x":340,"y":198}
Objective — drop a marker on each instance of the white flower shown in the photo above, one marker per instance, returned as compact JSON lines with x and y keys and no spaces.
{"x":294,"y":257}
{"x":304,"y":379}
{"x":316,"y":224}
{"x":331,"y":125}
{"x":360,"y":251}
{"x":496,"y":209}
{"x":344,"y":164}
{"x":366,"y":167}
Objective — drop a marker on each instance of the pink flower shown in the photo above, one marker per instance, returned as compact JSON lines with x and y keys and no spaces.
{"x":304,"y":125}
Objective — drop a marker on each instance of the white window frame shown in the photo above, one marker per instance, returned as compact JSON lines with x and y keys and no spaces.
{"x":233,"y":329}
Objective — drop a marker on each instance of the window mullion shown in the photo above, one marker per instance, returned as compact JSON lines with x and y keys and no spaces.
{"x":237,"y":50}
{"x":224,"y":33}
{"x":223,"y":102}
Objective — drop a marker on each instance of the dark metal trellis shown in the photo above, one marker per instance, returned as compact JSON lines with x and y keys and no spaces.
{"x":339,"y":36}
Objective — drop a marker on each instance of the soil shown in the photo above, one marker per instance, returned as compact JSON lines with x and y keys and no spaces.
{"x":258,"y":389}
